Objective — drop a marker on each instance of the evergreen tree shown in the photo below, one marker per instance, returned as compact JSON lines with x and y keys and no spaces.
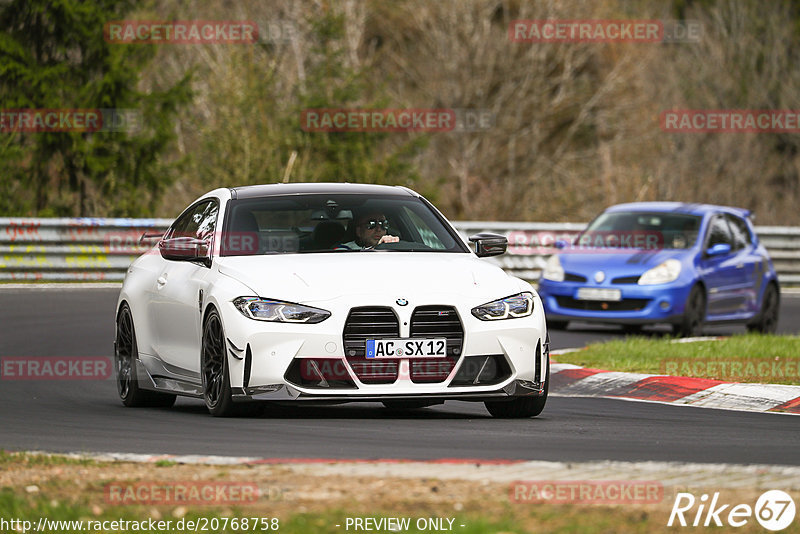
{"x":53,"y":55}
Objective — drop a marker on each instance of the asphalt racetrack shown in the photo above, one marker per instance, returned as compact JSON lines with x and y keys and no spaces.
{"x":87,"y":416}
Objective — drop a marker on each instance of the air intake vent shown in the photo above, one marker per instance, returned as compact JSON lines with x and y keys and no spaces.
{"x":626,"y":280}
{"x":596,"y":305}
{"x":370,"y":323}
{"x":431,"y":322}
{"x":570,"y":277}
{"x":319,"y":373}
{"x":482,"y":371}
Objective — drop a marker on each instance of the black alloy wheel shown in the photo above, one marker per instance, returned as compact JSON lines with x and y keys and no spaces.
{"x":125,"y":356}
{"x":522,"y":407}
{"x":214,"y":363}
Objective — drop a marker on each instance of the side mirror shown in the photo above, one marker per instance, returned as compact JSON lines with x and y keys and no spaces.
{"x":184,"y":249}
{"x":561,"y":244}
{"x":719,"y":249}
{"x":489,"y":244}
{"x":150,"y":235}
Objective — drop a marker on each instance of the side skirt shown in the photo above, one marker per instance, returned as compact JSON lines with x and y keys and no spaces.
{"x":155,"y":376}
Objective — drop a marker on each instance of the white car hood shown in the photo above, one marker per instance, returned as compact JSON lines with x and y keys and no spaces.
{"x":305,"y":278}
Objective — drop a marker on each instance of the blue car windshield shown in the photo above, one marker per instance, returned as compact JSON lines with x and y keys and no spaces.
{"x":641,"y":230}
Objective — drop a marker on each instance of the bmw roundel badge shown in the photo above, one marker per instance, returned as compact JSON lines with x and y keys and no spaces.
{"x":402,"y":302}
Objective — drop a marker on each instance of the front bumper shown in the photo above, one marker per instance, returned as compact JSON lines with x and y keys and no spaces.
{"x":263,"y":360}
{"x":288,"y":392}
{"x":639,"y":304}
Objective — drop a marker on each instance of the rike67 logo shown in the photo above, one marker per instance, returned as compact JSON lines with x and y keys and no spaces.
{"x":774,"y":510}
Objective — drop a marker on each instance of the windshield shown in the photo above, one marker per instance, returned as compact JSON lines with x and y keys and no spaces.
{"x":641,"y":230}
{"x":300,"y":224}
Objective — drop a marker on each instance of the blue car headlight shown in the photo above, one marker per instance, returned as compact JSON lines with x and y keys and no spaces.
{"x":278,"y":311}
{"x":519,"y":305}
{"x":661,"y":274}
{"x":553,"y":270}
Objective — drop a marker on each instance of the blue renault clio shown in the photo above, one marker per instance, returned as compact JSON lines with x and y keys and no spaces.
{"x":646,"y":263}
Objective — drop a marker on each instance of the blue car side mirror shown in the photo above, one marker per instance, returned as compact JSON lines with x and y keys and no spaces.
{"x":718,"y":249}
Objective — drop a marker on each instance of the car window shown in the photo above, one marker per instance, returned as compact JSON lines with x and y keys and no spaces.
{"x":719,"y":232}
{"x":326,"y":222}
{"x":198,"y":222}
{"x":426,"y":234}
{"x":741,"y":234}
{"x":642,"y":229}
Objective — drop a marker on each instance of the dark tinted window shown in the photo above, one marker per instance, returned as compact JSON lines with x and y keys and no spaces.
{"x":741,"y":234}
{"x":669,"y":230}
{"x":325,"y":222}
{"x":719,"y":232}
{"x":198,"y":221}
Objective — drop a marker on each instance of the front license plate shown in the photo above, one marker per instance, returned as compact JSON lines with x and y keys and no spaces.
{"x":407,"y":348}
{"x":593,"y":293}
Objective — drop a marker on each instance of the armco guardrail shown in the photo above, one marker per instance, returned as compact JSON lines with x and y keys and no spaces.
{"x":102,"y":249}
{"x":530,"y":244}
{"x":72,"y":249}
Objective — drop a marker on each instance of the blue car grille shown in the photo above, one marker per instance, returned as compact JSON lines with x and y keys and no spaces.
{"x":626,"y":280}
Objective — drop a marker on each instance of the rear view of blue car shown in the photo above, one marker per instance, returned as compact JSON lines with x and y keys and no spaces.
{"x":647,"y":263}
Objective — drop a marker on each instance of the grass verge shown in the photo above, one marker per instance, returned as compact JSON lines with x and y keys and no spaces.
{"x":9,"y":458}
{"x":741,"y":358}
{"x":87,"y":512}
{"x":306,"y":500}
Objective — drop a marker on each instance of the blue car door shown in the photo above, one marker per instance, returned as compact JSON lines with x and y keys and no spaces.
{"x":719,"y":272}
{"x":748,"y":264}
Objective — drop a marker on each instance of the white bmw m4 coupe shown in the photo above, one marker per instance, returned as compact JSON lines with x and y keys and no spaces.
{"x":327,"y":293}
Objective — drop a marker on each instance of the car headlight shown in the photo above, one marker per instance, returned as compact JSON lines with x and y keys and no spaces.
{"x":278,"y":311}
{"x":520,"y":305}
{"x":661,"y":274}
{"x":553,"y":270}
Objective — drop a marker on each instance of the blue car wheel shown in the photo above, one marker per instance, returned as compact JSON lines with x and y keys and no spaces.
{"x":767,"y":322}
{"x":694,"y":314}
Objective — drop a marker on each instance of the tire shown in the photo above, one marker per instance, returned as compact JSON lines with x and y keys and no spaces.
{"x":557,"y":325}
{"x":214,"y":369}
{"x":125,"y":356}
{"x":767,"y":322}
{"x":522,"y":407}
{"x":694,"y":314}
